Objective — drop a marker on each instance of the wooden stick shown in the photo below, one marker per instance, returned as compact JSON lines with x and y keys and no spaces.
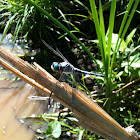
{"x":130,"y":83}
{"x":89,"y":114}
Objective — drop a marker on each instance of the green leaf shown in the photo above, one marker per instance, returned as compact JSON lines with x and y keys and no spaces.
{"x":63,"y":124}
{"x":79,"y":2}
{"x":72,"y":119}
{"x":135,"y":65}
{"x":123,"y":44}
{"x":80,"y":134}
{"x":130,"y":36}
{"x":54,"y":129}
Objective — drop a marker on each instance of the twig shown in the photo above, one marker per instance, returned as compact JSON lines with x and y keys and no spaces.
{"x":125,"y":87}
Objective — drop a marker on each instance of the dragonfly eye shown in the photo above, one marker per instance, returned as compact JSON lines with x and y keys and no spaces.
{"x":55,"y":66}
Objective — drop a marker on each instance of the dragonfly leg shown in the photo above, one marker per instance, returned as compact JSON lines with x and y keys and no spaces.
{"x":50,"y":98}
{"x":50,"y":94}
{"x":72,"y":90}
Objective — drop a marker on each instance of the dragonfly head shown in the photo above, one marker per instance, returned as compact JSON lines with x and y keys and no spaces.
{"x":55,"y":66}
{"x":59,"y":66}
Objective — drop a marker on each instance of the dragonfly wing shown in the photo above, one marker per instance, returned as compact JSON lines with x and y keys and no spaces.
{"x":70,"y":76}
{"x":58,"y":53}
{"x":66,"y":74}
{"x":61,"y":55}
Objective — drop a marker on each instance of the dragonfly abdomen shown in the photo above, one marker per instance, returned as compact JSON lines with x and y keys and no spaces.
{"x":87,"y":72}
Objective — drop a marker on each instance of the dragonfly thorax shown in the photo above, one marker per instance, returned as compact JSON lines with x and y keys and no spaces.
{"x":56,"y":66}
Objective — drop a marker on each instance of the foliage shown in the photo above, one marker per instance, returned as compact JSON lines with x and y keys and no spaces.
{"x":14,"y":16}
{"x":127,"y":57}
{"x":54,"y":128}
{"x":107,"y":46}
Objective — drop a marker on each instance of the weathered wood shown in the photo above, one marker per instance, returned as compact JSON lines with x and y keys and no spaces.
{"x":89,"y":114}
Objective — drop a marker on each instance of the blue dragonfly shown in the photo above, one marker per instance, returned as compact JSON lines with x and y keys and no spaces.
{"x":66,"y":68}
{"x":62,"y":66}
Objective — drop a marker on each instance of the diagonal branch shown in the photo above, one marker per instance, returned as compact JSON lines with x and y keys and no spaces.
{"x":89,"y":114}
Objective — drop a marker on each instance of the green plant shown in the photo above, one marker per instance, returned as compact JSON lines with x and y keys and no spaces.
{"x":127,"y":56}
{"x":54,"y":128}
{"x":105,"y":47}
{"x":15,"y":17}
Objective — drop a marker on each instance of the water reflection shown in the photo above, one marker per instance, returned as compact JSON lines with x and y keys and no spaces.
{"x":14,"y":104}
{"x":19,"y":47}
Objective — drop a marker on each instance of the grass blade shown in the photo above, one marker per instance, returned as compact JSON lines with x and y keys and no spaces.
{"x":7,"y":25}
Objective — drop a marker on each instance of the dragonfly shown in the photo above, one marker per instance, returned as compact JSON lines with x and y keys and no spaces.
{"x":67,"y":69}
{"x":62,"y":66}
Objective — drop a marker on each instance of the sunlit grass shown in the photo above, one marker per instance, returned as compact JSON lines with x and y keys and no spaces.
{"x":105,"y":47}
